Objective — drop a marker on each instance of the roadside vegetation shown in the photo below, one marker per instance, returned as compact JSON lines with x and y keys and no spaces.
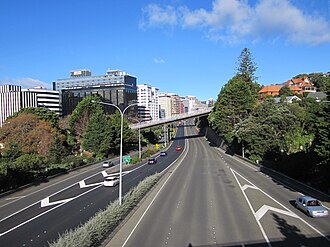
{"x":291,"y":138}
{"x":36,"y":144}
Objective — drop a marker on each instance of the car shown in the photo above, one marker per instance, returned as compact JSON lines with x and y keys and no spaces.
{"x":152,"y":160}
{"x":178,"y":148}
{"x":111,"y":181}
{"x":311,"y":206}
{"x":107,"y":164}
{"x":163,"y":153}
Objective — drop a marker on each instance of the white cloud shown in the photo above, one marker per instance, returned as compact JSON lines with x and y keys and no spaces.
{"x":156,"y":60}
{"x":158,"y":16}
{"x":234,"y":20}
{"x":27,"y":83}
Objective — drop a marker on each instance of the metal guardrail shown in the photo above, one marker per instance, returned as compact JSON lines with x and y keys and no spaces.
{"x":178,"y":117}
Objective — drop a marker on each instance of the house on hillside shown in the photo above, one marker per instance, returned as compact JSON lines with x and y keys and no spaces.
{"x":270,"y":90}
{"x":304,"y":83}
{"x":288,"y":99}
{"x":274,"y":90}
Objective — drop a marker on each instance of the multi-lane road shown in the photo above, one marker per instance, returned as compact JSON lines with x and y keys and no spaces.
{"x":37,"y":215}
{"x":209,"y":198}
{"x":205,"y":198}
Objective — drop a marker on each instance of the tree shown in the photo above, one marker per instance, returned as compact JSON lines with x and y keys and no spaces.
{"x":29,"y":133}
{"x":285,"y":91}
{"x":42,"y":113}
{"x":235,"y":102}
{"x":246,"y":65}
{"x":264,"y":132}
{"x":95,"y":133}
{"x":81,"y":115}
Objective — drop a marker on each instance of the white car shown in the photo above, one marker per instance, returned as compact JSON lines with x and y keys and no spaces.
{"x":111,"y":181}
{"x":311,"y":206}
{"x":107,"y":164}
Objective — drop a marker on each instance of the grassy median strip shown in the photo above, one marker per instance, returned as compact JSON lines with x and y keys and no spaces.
{"x":104,"y":222}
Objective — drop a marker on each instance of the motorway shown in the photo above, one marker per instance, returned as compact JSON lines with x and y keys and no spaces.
{"x":37,"y":215}
{"x":209,"y":198}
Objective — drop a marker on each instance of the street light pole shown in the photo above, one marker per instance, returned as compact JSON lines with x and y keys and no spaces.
{"x":121,"y":144}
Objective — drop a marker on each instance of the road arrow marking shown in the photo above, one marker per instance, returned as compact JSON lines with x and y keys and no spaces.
{"x":45,"y":202}
{"x":246,"y":186}
{"x":82,"y":184}
{"x":264,"y":209}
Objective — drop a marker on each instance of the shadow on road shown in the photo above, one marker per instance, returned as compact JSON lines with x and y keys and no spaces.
{"x":292,"y":237}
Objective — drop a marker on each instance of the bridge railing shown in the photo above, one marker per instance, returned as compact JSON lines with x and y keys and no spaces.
{"x":174,"y":118}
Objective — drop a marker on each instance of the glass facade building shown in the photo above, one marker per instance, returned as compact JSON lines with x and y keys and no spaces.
{"x":116,"y":87}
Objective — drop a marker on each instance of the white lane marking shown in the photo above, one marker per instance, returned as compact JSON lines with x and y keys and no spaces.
{"x":82,"y":184}
{"x":45,"y":202}
{"x":144,"y":213}
{"x":39,"y":215}
{"x":13,"y":198}
{"x":289,"y":212}
{"x":246,"y":186}
{"x":61,"y":181}
{"x":251,"y":208}
{"x":265,"y":208}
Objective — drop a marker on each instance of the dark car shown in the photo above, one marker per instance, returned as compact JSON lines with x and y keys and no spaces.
{"x":152,"y":160}
{"x":163,"y":153}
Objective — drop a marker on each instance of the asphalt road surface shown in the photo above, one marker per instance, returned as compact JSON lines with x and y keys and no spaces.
{"x":37,"y":215}
{"x":209,"y":198}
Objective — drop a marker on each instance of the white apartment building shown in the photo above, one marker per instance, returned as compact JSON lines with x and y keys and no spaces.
{"x":10,"y":101}
{"x":50,"y":99}
{"x":148,"y":102}
{"x":13,"y":98}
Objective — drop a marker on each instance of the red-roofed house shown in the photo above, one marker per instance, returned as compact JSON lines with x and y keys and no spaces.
{"x":274,"y":90}
{"x":304,"y":83}
{"x":270,"y":90}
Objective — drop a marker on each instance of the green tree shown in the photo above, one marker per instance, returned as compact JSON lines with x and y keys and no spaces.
{"x":95,"y":133}
{"x":235,"y":102}
{"x":41,"y":113}
{"x":264,"y":132}
{"x":285,"y":91}
{"x":30,"y":163}
{"x":81,"y":115}
{"x":246,"y":65}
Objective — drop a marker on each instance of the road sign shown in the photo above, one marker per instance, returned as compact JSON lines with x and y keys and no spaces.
{"x":127,"y":159}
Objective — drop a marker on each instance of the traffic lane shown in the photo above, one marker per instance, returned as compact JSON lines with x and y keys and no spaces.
{"x":269,"y":197}
{"x":17,"y":201}
{"x":56,"y":200}
{"x":187,"y":210}
{"x":282,"y":193}
{"x":67,"y":216}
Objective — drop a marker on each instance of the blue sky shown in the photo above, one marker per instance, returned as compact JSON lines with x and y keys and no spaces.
{"x":186,"y":47}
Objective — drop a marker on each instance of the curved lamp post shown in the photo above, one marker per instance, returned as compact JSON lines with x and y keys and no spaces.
{"x":121,"y":143}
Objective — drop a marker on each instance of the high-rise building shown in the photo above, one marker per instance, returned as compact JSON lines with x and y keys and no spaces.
{"x":13,"y":98}
{"x":165,"y":105}
{"x":84,"y":78}
{"x":50,"y":99}
{"x":115,"y":87}
{"x":10,"y":101}
{"x":148,"y":102}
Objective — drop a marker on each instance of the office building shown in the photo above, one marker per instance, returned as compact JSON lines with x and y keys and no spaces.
{"x":148,"y":102}
{"x":13,"y":98}
{"x":115,"y":87}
